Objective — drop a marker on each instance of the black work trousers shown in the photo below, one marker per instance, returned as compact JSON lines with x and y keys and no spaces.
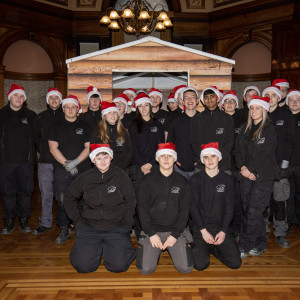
{"x":255,"y":199}
{"x":293,"y":203}
{"x":91,"y":244}
{"x":16,"y":187}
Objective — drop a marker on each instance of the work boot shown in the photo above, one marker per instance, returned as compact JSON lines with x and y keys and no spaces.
{"x":40,"y":230}
{"x":23,"y":225}
{"x":282,"y":241}
{"x":63,"y":236}
{"x":8,"y":227}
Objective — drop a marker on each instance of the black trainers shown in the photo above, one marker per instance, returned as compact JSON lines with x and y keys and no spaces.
{"x":243,"y":253}
{"x":63,"y":236}
{"x":282,"y":242}
{"x":8,"y":227}
{"x":23,"y":225}
{"x":41,"y":230}
{"x":257,"y":251}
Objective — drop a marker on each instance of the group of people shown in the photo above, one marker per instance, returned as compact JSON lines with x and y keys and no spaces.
{"x":189,"y":182}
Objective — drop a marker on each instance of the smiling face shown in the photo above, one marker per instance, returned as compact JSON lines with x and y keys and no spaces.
{"x":102,"y":161}
{"x":16,"y":101}
{"x":155,"y":100}
{"x":144,"y":110}
{"x":274,"y":98}
{"x":54,"y":101}
{"x":190,"y":100}
{"x":111,"y":117}
{"x":211,"y":101}
{"x":294,"y":103}
{"x":256,"y":113}
{"x":121,"y":107}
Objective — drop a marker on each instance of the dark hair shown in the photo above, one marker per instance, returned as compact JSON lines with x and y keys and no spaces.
{"x":139,"y":121}
{"x":208,"y":92}
{"x":95,"y":96}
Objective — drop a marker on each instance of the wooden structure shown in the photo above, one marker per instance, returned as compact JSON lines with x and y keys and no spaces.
{"x":144,"y":55}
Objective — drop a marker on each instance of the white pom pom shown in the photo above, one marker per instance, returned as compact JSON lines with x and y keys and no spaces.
{"x":129,"y":103}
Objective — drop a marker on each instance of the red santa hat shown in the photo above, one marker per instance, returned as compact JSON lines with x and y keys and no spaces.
{"x":171,"y":98}
{"x":124,"y":98}
{"x":274,"y":89}
{"x":53,"y":91}
{"x":261,"y":101}
{"x":91,"y":90}
{"x":141,"y":98}
{"x":16,"y":88}
{"x":189,"y":89}
{"x":231,"y":95}
{"x":290,"y":94}
{"x":251,"y":87}
{"x":177,"y":90}
{"x":97,"y":148}
{"x":214,"y":89}
{"x":154,"y":91}
{"x":166,"y":148}
{"x":281,"y":82}
{"x":72,"y":99}
{"x":107,"y":107}
{"x":210,"y":148}
{"x":130,"y":91}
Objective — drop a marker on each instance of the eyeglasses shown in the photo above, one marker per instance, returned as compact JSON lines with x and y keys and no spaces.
{"x":120,"y":104}
{"x":229,"y":101}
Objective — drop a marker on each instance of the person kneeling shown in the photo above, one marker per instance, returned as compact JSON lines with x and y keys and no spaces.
{"x":163,"y":207}
{"x":212,"y":211}
{"x":103,"y":227}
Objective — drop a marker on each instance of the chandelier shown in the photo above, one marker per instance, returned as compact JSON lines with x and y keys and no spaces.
{"x":137,"y":17}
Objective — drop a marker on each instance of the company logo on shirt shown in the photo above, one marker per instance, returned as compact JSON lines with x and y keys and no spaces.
{"x":219,"y":130}
{"x":175,"y":190}
{"x":153,"y":129}
{"x":280,"y":122}
{"x":237,"y":130}
{"x":298,"y":123}
{"x":220,"y":188}
{"x":119,"y":144}
{"x":79,"y":131}
{"x":24,"y":121}
{"x":261,"y":141}
{"x":111,"y":189}
{"x":162,"y":120}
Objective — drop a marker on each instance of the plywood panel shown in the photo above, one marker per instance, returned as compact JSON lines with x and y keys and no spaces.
{"x":81,"y":94}
{"x":202,"y":82}
{"x":81,"y":81}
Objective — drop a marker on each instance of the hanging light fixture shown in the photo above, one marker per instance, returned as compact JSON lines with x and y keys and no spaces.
{"x":137,"y":17}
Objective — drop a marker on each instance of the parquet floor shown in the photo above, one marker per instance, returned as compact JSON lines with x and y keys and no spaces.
{"x":34,"y":267}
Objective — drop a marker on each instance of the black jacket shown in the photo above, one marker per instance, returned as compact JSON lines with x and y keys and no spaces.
{"x":161,"y":116}
{"x":179,"y":134}
{"x":213,"y":126}
{"x":258,"y":155}
{"x":163,"y":203}
{"x":43,"y":123}
{"x":122,"y":151}
{"x":91,"y":117}
{"x":108,"y":199}
{"x":295,"y":160}
{"x":283,"y":119}
{"x":19,"y":122}
{"x":212,"y":201}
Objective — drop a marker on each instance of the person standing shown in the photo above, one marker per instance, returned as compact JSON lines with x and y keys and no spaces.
{"x":213,"y":125}
{"x":283,"y":119}
{"x":156,"y":97}
{"x":211,"y":212}
{"x":173,"y":105}
{"x":69,"y":142}
{"x":17,"y":159}
{"x":111,"y":131}
{"x":123,"y":102}
{"x":43,"y":123}
{"x":163,"y":206}
{"x":255,"y":159}
{"x":179,"y":134}
{"x":93,"y":115}
{"x":103,"y":227}
{"x":284,"y":86}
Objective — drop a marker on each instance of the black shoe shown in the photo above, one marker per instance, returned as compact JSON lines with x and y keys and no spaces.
{"x":257,"y":251}
{"x":41,"y":229}
{"x":63,"y":236}
{"x":23,"y":225}
{"x":282,"y":242}
{"x":8,"y":227}
{"x":290,"y":229}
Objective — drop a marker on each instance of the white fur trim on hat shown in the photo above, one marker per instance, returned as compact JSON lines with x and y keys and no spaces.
{"x":290,"y":94}
{"x":93,"y":92}
{"x":109,"y":109}
{"x":259,"y":102}
{"x":166,"y":151}
{"x":216,"y":91}
{"x":16,"y":91}
{"x":57,"y":93}
{"x":189,"y":88}
{"x":107,"y":150}
{"x":171,"y":100}
{"x":156,"y":93}
{"x":129,"y":92}
{"x":210,"y":151}
{"x":178,"y":93}
{"x":117,"y":99}
{"x":274,"y":89}
{"x":143,"y":100}
{"x":69,"y":100}
{"x":231,"y":96}
{"x":251,"y":87}
{"x":283,"y":84}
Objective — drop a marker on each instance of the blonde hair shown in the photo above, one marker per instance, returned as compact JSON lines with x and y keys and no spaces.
{"x":258,"y":132}
{"x":103,"y":131}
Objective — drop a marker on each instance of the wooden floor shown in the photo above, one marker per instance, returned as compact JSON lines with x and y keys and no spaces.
{"x":34,"y":267}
